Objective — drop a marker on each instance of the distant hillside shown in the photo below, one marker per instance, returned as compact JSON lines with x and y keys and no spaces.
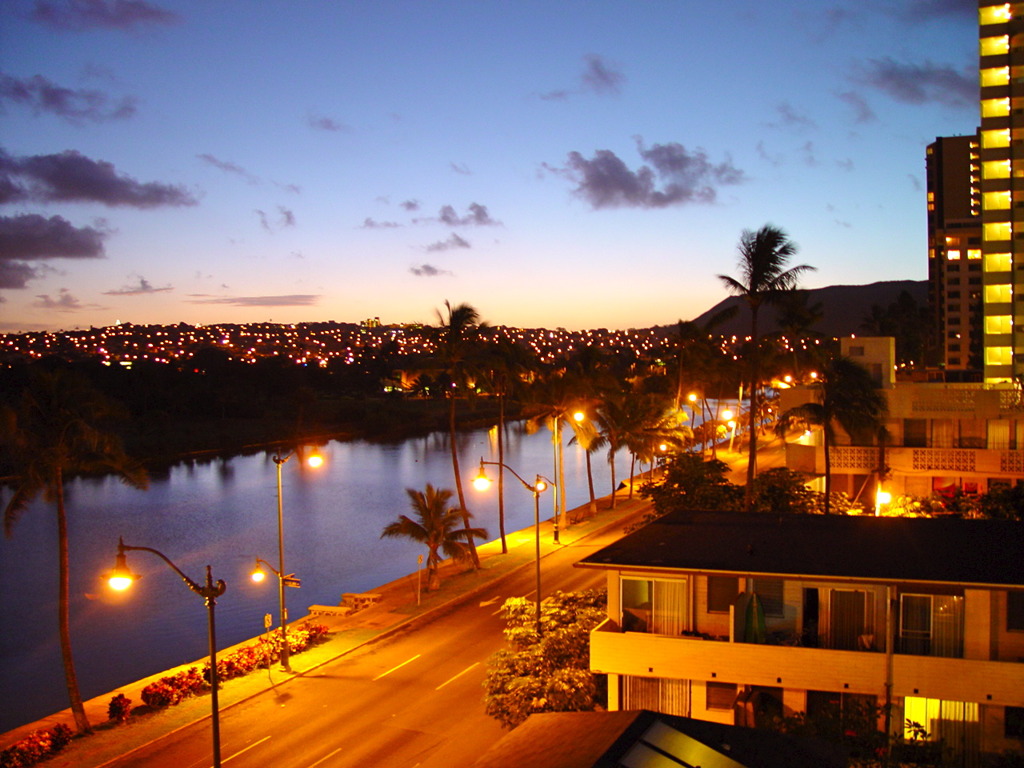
{"x":844,"y":306}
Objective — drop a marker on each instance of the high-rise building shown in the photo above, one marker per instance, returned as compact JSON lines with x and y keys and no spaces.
{"x":1001,"y":139}
{"x":954,"y":252}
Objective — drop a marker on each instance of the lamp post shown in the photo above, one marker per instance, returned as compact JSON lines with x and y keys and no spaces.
{"x":313,"y":461}
{"x":120,"y":578}
{"x":481,"y":482}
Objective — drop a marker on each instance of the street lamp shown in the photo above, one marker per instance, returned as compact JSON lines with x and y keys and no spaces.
{"x":481,"y":482}
{"x":313,"y":461}
{"x":121,"y":577}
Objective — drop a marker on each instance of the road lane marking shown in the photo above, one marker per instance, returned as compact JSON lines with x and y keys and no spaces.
{"x":243,"y":751}
{"x":407,"y":661}
{"x":453,"y":679}
{"x":332,"y":754}
{"x":492,"y":601}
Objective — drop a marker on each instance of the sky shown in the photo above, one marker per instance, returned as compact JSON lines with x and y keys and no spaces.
{"x":554,"y":163}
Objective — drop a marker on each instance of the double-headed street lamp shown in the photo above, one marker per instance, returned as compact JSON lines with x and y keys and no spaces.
{"x":121,"y":577}
{"x":481,"y":482}
{"x":313,"y":461}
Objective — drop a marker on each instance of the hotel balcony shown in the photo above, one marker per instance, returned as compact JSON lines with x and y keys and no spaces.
{"x":641,"y":654}
{"x":846,"y":459}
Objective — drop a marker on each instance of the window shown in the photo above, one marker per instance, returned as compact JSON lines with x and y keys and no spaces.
{"x":653,"y":606}
{"x":722,"y":590}
{"x":915,"y":433}
{"x":995,"y":46}
{"x":998,"y":230}
{"x":995,"y":107}
{"x":995,"y":201}
{"x":995,"y":169}
{"x":997,"y":137}
{"x":1013,"y":723}
{"x":994,"y":76}
{"x":769,"y":591}
{"x":1015,"y":611}
{"x":994,"y":14}
{"x":720,"y":695}
{"x":932,"y":625}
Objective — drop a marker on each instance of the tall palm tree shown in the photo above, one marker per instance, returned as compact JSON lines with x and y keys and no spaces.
{"x":59,"y":427}
{"x":436,"y":525}
{"x":456,"y":346}
{"x":846,"y":395}
{"x":764,"y":277}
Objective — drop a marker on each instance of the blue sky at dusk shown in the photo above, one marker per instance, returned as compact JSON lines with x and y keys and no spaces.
{"x":576,"y":164}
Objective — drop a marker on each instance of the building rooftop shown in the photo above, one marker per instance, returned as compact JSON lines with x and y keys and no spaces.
{"x":884,"y":549}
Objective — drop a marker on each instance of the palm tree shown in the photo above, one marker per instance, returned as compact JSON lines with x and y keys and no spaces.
{"x":58,"y":428}
{"x":456,"y":334}
{"x":847,"y":396}
{"x":764,"y":278}
{"x":437,"y":526}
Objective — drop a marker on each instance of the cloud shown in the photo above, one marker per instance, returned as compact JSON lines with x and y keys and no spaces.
{"x":921,"y":83}
{"x":927,"y":10}
{"x":809,"y":155}
{"x":73,"y":177}
{"x":74,"y":106}
{"x":287,"y":216}
{"x":100,"y":14}
{"x":411,"y":205}
{"x":64,"y":302}
{"x":762,"y":152}
{"x":369,"y":223}
{"x":143,"y":287}
{"x":862,"y":112}
{"x":293,"y":300}
{"x":461,"y":168}
{"x":264,"y":222}
{"x":29,"y":236}
{"x":446,"y":245}
{"x":790,"y":118}
{"x":675,"y":176}
{"x":598,"y":77}
{"x":228,"y":167}
{"x":322,"y":123}
{"x":428,"y":270}
{"x":477,"y":216}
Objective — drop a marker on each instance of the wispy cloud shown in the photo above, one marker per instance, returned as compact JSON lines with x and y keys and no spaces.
{"x":292,"y":300}
{"x":286,"y":218}
{"x":428,"y":270}
{"x":674,"y":176}
{"x":141,"y":288}
{"x":73,"y":177}
{"x":477,"y":215}
{"x":75,"y":106}
{"x":789,"y":117}
{"x":411,"y":205}
{"x":598,"y":77}
{"x":64,"y":301}
{"x":862,"y":112}
{"x":446,"y":245}
{"x":369,"y":223}
{"x":329,"y":124}
{"x":100,"y":14}
{"x":921,"y":83}
{"x":229,"y":167}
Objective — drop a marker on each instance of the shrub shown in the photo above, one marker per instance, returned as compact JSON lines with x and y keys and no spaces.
{"x":119,"y":709}
{"x":37,"y":746}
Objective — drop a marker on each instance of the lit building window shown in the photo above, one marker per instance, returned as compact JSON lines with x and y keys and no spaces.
{"x":994,"y":76}
{"x":973,"y":253}
{"x":998,"y":230}
{"x":999,"y":324}
{"x":994,"y":14}
{"x":998,"y":294}
{"x":995,"y":138}
{"x":995,"y":46}
{"x":998,"y":355}
{"x":953,"y":255}
{"x":995,"y":169}
{"x":994,"y":108}
{"x":998,"y":262}
{"x":995,"y":201}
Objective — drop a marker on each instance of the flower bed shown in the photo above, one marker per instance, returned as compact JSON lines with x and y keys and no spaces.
{"x":37,"y":746}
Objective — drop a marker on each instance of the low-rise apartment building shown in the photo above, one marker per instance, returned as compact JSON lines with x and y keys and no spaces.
{"x":733,"y":618}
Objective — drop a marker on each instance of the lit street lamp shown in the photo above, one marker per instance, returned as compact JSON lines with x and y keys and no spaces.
{"x":481,"y":482}
{"x":121,"y":577}
{"x":313,"y":461}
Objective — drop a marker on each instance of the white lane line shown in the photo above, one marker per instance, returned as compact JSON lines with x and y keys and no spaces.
{"x":407,"y":661}
{"x":453,"y":679}
{"x":332,"y":754}
{"x":243,"y":751}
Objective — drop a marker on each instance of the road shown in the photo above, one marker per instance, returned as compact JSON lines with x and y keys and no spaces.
{"x":412,"y":700}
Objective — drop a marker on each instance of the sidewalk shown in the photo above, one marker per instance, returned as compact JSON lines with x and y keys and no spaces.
{"x":396,"y":609}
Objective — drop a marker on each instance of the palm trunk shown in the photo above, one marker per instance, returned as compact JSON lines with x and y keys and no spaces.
{"x":64,"y":610}
{"x":501,"y":472}
{"x":458,"y":478}
{"x":590,"y":485}
{"x":632,"y":474}
{"x":611,"y":462}
{"x":828,"y":468}
{"x":755,"y":373}
{"x":561,"y":474}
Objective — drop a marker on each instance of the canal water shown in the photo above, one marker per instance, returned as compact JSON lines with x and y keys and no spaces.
{"x":222,"y":512}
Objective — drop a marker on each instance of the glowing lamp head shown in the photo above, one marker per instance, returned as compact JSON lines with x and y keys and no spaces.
{"x":258,"y":574}
{"x":315,"y":461}
{"x":726,"y":414}
{"x":883,"y":497}
{"x":692,"y":397}
{"x":540,"y":485}
{"x":481,"y":482}
{"x":579,"y":416}
{"x":120,"y":578}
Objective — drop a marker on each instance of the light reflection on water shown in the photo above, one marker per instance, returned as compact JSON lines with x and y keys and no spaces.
{"x":223,"y":512}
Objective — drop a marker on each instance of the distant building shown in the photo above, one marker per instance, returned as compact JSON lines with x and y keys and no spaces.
{"x":940,"y":438}
{"x":954,"y":252}
{"x":738,"y":618}
{"x":1002,"y":164}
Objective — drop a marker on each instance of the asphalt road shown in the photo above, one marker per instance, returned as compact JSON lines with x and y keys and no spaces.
{"x":412,"y":700}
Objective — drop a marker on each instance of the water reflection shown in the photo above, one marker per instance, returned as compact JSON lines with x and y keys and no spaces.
{"x":222,"y":512}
